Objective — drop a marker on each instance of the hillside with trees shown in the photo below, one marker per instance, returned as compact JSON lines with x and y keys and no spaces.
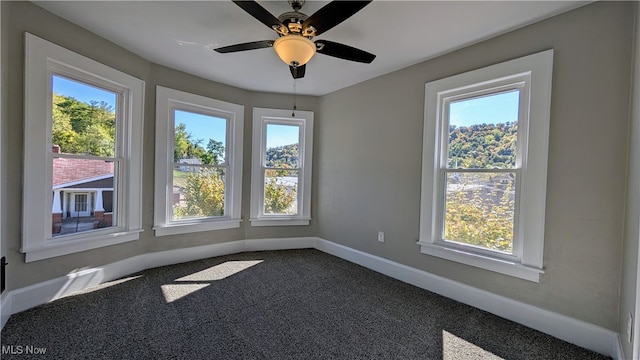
{"x":483,"y":146}
{"x":83,"y":128}
{"x":285,"y":156}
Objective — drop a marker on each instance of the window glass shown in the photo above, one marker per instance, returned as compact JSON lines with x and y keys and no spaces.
{"x":479,"y":206}
{"x":200,"y":165}
{"x":282,"y":146}
{"x":281,"y":192}
{"x":281,"y":186}
{"x":199,"y":137}
{"x":83,"y":156}
{"x":84,"y":118}
{"x":479,"y":209}
{"x":483,"y":131}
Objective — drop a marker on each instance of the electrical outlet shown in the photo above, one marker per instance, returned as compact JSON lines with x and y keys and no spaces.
{"x":381,"y":236}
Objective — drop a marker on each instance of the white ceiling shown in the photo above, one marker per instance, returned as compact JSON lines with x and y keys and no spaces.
{"x":182,"y":34}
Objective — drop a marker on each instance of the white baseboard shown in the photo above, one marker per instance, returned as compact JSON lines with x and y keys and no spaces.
{"x":5,"y":307}
{"x":619,"y":350}
{"x":18,"y":300}
{"x":575,"y":331}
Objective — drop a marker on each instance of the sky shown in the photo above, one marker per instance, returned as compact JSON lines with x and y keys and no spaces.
{"x":82,"y":92}
{"x":278,"y":135}
{"x":203,"y":127}
{"x":492,"y":109}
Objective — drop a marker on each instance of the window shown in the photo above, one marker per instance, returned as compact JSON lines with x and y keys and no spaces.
{"x":198,"y":163}
{"x":83,"y":138}
{"x":82,"y":177}
{"x":484,"y":166}
{"x":281,"y":167}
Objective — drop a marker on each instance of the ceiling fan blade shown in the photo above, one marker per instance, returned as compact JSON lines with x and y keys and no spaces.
{"x":298,"y":72}
{"x":245,"y":46}
{"x":343,"y":51}
{"x":261,"y":14}
{"x":333,"y":14}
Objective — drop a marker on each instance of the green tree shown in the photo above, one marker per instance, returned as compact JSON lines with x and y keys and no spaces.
{"x":278,"y":198}
{"x":181,"y":140}
{"x":62,"y":132}
{"x":186,"y":147}
{"x":96,"y":140}
{"x":204,"y":195}
{"x":83,"y":128}
{"x":476,"y":216}
{"x":195,"y":149}
{"x":214,"y":154}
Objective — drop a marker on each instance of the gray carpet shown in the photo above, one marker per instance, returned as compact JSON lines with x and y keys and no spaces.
{"x":298,"y":304}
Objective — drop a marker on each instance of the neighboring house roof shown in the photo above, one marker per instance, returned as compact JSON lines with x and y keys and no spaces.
{"x":67,"y":171}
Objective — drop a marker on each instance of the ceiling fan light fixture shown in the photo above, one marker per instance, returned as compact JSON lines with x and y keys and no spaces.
{"x":294,"y":50}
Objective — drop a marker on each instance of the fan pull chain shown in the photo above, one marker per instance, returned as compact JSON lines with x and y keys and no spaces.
{"x":293,"y":113}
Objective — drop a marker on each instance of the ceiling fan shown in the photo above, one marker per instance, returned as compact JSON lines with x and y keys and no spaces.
{"x":295,"y":31}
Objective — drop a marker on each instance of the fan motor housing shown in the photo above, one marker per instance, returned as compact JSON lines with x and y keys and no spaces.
{"x":293,"y":21}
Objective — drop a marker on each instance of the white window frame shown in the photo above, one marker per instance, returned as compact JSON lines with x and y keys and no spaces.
{"x":304,"y":120}
{"x":167,"y":101}
{"x":532,"y":76}
{"x":44,"y":59}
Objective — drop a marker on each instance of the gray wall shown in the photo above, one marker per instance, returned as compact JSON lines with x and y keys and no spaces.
{"x":19,"y":17}
{"x":369,"y":161}
{"x":629,"y":281}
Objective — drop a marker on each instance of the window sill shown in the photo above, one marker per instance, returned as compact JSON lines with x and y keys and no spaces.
{"x":492,"y":264}
{"x":284,"y":221}
{"x":53,"y":248}
{"x":185,"y":228}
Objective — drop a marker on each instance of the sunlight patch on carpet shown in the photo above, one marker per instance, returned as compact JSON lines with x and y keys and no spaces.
{"x":192,"y":283}
{"x":89,"y":284}
{"x":175,"y":292}
{"x":220,"y":271}
{"x":454,"y":347}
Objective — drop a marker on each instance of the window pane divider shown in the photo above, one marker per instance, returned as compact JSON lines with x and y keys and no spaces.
{"x":201,"y":165}
{"x":279,"y":168}
{"x":482,"y":170}
{"x":86,"y":157}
